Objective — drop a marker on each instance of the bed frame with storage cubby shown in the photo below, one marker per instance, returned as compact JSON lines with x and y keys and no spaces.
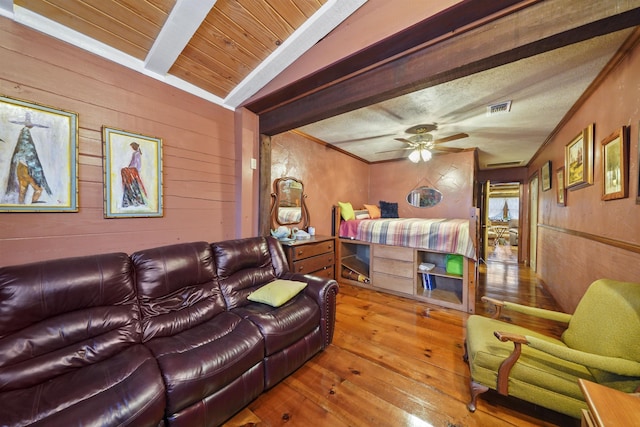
{"x":396,"y":270}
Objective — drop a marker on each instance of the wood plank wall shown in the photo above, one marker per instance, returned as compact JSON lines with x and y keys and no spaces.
{"x":589,"y":238}
{"x":198,"y":150}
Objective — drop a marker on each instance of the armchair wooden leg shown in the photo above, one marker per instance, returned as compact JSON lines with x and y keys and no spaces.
{"x":476,"y":390}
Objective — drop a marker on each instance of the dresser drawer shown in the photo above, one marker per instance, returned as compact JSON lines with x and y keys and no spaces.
{"x":325,"y":273}
{"x":311,"y":249}
{"x":315,"y":263}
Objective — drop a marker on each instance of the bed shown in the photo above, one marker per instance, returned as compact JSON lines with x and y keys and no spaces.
{"x":436,"y":234}
{"x":409,"y":257}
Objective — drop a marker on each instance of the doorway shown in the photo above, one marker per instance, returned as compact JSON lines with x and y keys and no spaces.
{"x":533,"y":222}
{"x":502,"y":222}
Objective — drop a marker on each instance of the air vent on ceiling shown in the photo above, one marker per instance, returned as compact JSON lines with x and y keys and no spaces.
{"x":500,"y":108}
{"x":504,"y":164}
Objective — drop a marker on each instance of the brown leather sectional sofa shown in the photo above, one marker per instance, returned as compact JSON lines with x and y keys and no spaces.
{"x":165,"y":336}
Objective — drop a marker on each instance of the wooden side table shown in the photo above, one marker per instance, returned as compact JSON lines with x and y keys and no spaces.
{"x":609,"y":407}
{"x":316,"y":256}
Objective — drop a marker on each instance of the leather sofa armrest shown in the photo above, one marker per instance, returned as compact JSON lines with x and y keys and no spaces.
{"x":323,"y":291}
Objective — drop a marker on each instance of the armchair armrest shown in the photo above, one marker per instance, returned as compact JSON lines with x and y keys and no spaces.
{"x":504,"y":370}
{"x":531,"y":311}
{"x":614,"y":365}
{"x":323,"y":292}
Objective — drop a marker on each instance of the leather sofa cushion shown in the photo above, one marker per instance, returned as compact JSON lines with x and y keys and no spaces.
{"x":177,"y":288}
{"x":70,"y":342}
{"x":205,"y":358}
{"x":68,"y":313}
{"x":126,"y":389}
{"x":284,"y":325}
{"x":243,"y":265}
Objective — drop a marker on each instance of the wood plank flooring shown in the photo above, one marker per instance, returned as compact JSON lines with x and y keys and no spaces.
{"x":398,"y":362}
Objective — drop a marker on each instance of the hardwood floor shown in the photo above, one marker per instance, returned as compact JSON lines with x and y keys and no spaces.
{"x":398,"y":362}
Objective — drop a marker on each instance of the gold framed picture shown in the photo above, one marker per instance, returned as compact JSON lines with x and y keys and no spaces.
{"x":561,"y":192}
{"x":615,"y":170}
{"x":38,"y":158}
{"x":545,"y":173}
{"x":133,"y":174}
{"x":578,"y":159}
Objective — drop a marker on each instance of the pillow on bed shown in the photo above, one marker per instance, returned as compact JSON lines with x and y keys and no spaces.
{"x":374,"y":211}
{"x":388,"y":210}
{"x":346,"y":211}
{"x":361,"y":213}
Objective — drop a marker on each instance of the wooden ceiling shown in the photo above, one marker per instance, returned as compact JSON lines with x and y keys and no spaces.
{"x":234,"y":37}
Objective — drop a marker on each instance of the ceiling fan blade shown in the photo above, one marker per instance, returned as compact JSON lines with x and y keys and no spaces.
{"x":397,"y":149}
{"x":450,"y":138}
{"x":448,"y":149}
{"x":365,"y":138}
{"x":404,"y":140}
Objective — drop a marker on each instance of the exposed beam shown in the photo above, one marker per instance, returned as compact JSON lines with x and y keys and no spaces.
{"x":182,"y":23}
{"x":438,"y":25}
{"x":329,"y":16}
{"x":529,"y":31}
{"x":6,"y":8}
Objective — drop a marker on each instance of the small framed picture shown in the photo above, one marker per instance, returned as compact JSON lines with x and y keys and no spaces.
{"x":578,"y":160}
{"x":546,"y":176}
{"x":561,"y":192}
{"x":133,"y":174}
{"x":615,"y":160}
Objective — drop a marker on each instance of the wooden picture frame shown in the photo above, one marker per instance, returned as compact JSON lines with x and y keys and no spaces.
{"x":132,"y":166}
{"x":545,"y":173}
{"x":38,"y":157}
{"x":638,"y":163}
{"x":578,"y":160}
{"x":615,"y":161}
{"x":561,"y":191}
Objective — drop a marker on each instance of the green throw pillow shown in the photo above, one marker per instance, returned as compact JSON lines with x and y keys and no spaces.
{"x":346,"y":211}
{"x":277,"y":292}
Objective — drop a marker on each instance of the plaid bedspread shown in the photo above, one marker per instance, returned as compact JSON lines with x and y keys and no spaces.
{"x":442,"y":235}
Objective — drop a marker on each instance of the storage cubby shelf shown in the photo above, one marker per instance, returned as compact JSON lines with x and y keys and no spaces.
{"x":389,"y":269}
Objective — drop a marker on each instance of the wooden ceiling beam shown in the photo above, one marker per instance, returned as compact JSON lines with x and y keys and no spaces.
{"x":528,"y":31}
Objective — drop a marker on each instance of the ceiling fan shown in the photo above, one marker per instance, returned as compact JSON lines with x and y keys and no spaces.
{"x":421,"y":142}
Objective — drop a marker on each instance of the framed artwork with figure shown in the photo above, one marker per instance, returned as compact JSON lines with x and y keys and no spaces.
{"x":38,"y":158}
{"x":132,"y":165}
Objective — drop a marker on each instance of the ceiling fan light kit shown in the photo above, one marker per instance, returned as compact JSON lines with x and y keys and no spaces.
{"x":419,"y":153}
{"x":415,"y":156}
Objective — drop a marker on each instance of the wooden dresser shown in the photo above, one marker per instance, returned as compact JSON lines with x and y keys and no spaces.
{"x":609,"y":407}
{"x":316,"y":256}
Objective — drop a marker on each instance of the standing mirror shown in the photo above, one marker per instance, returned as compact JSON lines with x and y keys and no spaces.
{"x":424,"y":197}
{"x":288,"y":205}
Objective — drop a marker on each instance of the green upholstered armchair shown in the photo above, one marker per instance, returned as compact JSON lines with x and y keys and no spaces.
{"x":601,"y":344}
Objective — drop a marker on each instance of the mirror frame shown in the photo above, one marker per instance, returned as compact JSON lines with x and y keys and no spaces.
{"x":275,"y":203}
{"x":422,"y":190}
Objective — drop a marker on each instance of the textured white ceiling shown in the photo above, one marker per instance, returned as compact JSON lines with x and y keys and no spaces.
{"x":542,"y":89}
